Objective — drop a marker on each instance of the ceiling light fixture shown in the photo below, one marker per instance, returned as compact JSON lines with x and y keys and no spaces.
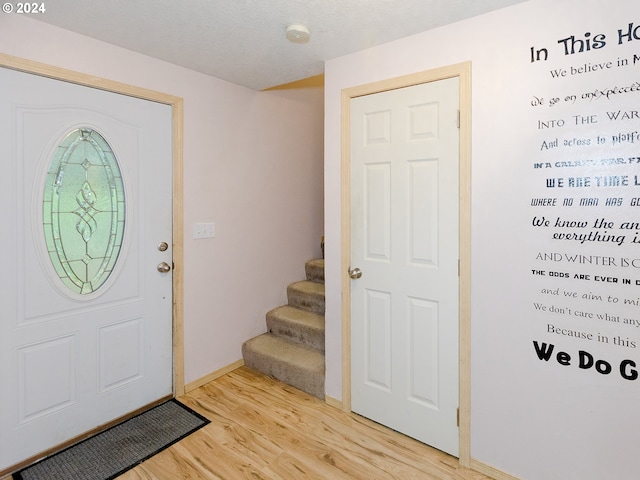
{"x":298,"y":33}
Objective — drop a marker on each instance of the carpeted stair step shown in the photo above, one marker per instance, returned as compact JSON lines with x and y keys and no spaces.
{"x":307,"y":295}
{"x":296,"y":324}
{"x":300,"y":366}
{"x":315,"y":270}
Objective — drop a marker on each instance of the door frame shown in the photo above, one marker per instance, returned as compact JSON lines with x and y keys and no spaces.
{"x":177,"y":109}
{"x":463,"y":72}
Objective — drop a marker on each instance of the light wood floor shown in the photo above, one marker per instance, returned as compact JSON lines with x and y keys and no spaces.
{"x":263,"y":429}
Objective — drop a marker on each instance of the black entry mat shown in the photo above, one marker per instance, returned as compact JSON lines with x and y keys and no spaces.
{"x":120,"y":448}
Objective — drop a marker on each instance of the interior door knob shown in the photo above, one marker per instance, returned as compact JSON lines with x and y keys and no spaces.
{"x":355,"y":273}
{"x":164,"y":267}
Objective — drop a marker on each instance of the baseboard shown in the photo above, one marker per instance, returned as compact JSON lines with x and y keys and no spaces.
{"x":334,"y":402}
{"x":212,"y":376}
{"x":490,"y":471}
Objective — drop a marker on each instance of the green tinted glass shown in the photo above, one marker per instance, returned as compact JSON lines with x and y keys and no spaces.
{"x":84,"y":210}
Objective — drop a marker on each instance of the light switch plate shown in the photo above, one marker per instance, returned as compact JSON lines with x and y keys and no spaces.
{"x":204,"y":230}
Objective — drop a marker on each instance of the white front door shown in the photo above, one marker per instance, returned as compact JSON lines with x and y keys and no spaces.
{"x":86,"y":202}
{"x":404,"y":168}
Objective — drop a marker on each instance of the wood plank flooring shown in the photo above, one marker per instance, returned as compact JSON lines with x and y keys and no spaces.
{"x":262,"y":429}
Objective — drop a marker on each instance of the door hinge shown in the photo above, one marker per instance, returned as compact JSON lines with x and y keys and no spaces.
{"x":458,"y":416}
{"x":458,"y":118}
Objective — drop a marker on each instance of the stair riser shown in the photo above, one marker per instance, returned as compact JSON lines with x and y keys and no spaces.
{"x":308,"y":336}
{"x":314,"y":273}
{"x":306,"y":301}
{"x":307,"y":380}
{"x":312,"y":383}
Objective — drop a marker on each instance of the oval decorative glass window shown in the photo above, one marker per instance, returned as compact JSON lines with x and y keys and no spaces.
{"x":84,"y":210}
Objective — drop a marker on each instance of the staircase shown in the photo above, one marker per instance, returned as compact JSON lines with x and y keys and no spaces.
{"x":292,"y":350}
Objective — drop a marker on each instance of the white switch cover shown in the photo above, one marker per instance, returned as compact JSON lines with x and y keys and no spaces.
{"x":204,"y":230}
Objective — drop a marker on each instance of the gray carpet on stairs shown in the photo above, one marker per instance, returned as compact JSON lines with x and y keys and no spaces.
{"x":292,"y":350}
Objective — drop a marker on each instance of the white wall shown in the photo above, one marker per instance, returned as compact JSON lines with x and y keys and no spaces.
{"x":252,"y":165}
{"x":531,"y":418}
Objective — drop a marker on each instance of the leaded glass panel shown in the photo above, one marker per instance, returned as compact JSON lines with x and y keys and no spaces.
{"x":84,"y":210}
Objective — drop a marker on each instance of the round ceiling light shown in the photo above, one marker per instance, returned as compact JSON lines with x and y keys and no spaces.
{"x":298,"y":33}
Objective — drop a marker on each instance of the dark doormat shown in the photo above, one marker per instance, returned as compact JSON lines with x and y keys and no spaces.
{"x":120,"y":448}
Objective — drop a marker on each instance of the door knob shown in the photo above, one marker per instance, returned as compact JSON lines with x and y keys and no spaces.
{"x":355,"y":273}
{"x":164,"y":267}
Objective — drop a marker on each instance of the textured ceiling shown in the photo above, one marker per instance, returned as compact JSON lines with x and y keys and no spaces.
{"x":243,"y":41}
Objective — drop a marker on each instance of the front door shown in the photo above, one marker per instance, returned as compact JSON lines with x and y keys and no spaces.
{"x":86,"y":285}
{"x":404,"y":170}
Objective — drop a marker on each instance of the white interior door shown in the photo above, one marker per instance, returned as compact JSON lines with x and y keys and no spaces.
{"x":85,"y":335}
{"x":404,"y":238}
